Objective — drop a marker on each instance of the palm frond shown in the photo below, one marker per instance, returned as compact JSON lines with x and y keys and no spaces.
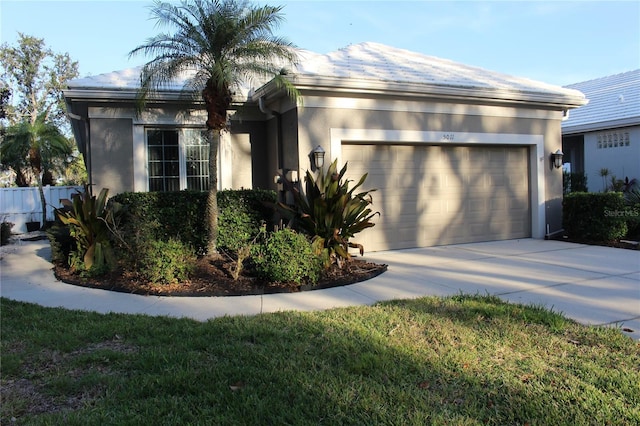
{"x":222,"y":44}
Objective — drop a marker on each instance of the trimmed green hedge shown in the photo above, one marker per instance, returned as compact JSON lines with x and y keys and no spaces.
{"x":180,"y":215}
{"x":595,"y":216}
{"x":165,"y":215}
{"x":241,"y":214}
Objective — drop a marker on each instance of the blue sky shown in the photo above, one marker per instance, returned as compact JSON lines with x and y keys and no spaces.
{"x":556,"y":42}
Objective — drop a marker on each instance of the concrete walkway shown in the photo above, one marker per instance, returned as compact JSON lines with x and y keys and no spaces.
{"x":591,"y":284}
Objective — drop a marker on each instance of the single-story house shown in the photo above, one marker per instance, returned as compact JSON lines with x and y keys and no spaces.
{"x":605,"y":133}
{"x":457,"y":153}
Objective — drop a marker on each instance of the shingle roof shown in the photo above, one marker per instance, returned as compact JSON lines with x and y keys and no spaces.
{"x":374,"y":62}
{"x":614,"y":101}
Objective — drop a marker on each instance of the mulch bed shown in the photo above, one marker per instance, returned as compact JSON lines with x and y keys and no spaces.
{"x":213,"y":278}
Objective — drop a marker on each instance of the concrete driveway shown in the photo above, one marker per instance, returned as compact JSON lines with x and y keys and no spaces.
{"x":591,"y":284}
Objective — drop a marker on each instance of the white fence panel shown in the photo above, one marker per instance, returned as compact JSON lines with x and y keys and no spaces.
{"x":22,"y":205}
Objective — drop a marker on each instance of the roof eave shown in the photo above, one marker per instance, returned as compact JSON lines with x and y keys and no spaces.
{"x":129,"y":95}
{"x":407,"y":89}
{"x":603,"y":125}
{"x":118,"y":95}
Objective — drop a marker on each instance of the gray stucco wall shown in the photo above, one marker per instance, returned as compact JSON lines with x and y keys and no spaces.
{"x":551,"y":129}
{"x":315,"y":124}
{"x":260,"y":156}
{"x":112,"y":154}
{"x":620,"y":159}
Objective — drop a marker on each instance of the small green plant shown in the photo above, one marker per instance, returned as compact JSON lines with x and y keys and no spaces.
{"x":332,"y":213}
{"x":88,"y":219}
{"x":166,"y":262}
{"x":5,"y":232}
{"x":574,"y":182}
{"x":286,"y":256}
{"x":604,"y":172}
{"x":62,"y":244}
{"x":615,"y":184}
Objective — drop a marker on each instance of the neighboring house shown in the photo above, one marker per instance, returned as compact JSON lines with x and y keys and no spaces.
{"x":457,"y":153}
{"x":605,"y":133}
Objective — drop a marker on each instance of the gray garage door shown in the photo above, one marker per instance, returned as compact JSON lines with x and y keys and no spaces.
{"x":435,"y":195}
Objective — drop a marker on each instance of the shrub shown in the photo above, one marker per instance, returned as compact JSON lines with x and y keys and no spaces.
{"x":595,"y":216}
{"x":180,"y":215}
{"x":88,"y":219}
{"x":5,"y":232}
{"x":163,"y":216}
{"x":62,"y":244}
{"x":286,"y":256}
{"x":241,"y":215}
{"x":166,"y":262}
{"x":632,"y":199}
{"x":332,"y":213}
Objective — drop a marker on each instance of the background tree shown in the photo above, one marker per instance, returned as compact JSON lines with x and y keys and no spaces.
{"x":32,"y":100}
{"x":35,"y":77}
{"x":222,"y":43}
{"x":43,"y":144}
{"x":4,"y":101}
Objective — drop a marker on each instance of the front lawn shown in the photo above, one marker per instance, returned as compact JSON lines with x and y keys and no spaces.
{"x":460,"y":360}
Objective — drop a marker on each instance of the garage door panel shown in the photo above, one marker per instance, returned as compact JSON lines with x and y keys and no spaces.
{"x":478,"y":206}
{"x":498,"y":204}
{"x":432,"y":195}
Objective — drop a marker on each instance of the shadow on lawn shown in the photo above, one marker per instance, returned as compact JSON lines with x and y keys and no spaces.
{"x":462,"y":359}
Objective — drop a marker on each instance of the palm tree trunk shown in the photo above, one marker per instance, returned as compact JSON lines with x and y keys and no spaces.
{"x":43,"y":201}
{"x":212,"y":198}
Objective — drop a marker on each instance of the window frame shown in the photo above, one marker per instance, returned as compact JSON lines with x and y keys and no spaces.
{"x":182,"y":153}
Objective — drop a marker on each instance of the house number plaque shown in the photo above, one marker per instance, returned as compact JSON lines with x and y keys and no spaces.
{"x":449,"y":137}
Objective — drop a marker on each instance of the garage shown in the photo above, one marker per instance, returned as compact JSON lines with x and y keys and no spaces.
{"x":431,"y":195}
{"x":458,"y":154}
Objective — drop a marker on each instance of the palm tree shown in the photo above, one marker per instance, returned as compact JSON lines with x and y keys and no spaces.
{"x":220,"y":44}
{"x":34,"y":146}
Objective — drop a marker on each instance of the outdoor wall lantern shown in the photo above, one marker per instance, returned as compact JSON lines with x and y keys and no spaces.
{"x":556,"y":159}
{"x":318,"y":157}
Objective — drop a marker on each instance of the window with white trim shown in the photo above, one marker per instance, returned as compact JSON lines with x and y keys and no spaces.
{"x":177,"y":159}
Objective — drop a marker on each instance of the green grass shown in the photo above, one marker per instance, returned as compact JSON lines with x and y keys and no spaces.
{"x":464,"y":360}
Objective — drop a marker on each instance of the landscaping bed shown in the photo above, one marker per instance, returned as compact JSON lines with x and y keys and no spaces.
{"x":213,"y":277}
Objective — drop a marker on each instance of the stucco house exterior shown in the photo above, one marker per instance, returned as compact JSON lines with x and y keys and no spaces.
{"x":457,"y":153}
{"x":605,"y":133}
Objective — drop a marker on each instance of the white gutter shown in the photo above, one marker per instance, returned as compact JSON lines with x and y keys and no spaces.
{"x":558,"y":98}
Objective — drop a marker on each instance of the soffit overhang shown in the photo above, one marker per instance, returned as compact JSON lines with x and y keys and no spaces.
{"x":331,"y":86}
